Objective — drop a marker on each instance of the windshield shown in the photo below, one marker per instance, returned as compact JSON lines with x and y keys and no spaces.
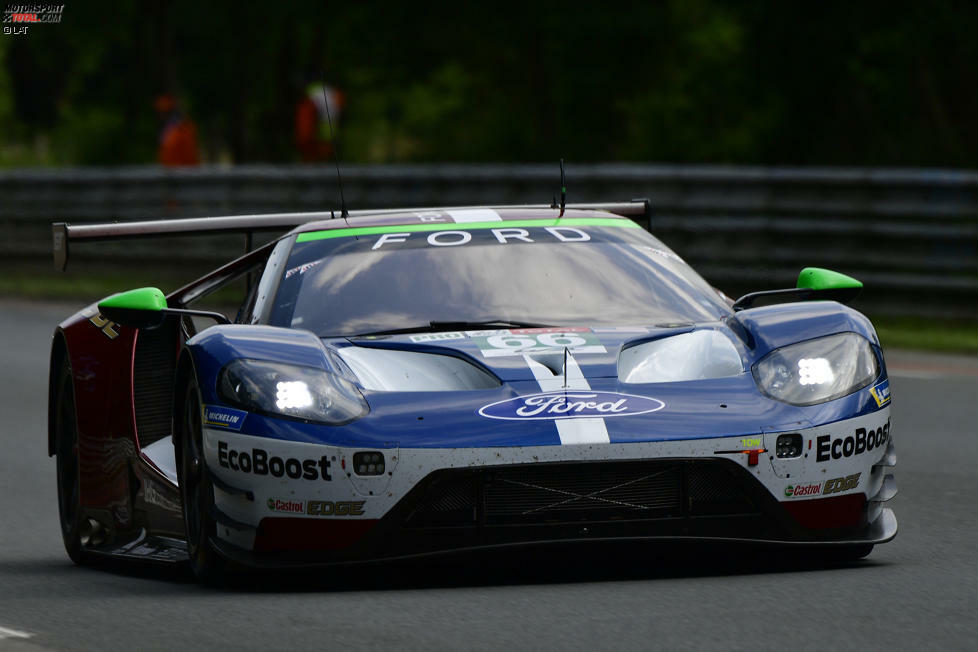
{"x":566,"y":273}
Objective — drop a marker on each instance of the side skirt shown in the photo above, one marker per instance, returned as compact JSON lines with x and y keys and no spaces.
{"x":145,"y":548}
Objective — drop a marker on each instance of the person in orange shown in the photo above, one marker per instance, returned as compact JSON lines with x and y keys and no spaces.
{"x":178,"y":137}
{"x":313,"y":137}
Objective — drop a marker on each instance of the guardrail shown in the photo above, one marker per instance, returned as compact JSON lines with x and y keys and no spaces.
{"x":910,"y":235}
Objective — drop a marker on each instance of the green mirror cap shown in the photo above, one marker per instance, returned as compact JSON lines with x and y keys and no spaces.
{"x":140,"y":308}
{"x":139,"y":299}
{"x":816,"y":278}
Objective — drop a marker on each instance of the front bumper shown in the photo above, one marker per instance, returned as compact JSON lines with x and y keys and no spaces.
{"x":534,"y":504}
{"x":289,"y":503}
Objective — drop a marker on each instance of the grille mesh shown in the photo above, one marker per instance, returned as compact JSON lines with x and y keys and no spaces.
{"x":569,"y":491}
{"x":577,"y":492}
{"x":153,"y":383}
{"x":449,"y":500}
{"x":452,"y":495}
{"x":713,"y":490}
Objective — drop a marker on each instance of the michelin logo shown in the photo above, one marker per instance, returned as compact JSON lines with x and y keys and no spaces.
{"x":222,"y":417}
{"x":881,"y":393}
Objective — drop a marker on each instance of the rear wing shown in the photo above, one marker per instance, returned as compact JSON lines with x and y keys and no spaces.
{"x":63,"y":233}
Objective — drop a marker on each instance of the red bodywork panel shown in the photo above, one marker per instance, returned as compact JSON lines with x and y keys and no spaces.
{"x":820,"y":513}
{"x":101,"y":357}
{"x":277,"y":534}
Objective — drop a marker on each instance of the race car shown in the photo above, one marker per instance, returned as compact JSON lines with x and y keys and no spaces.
{"x":418,"y":381}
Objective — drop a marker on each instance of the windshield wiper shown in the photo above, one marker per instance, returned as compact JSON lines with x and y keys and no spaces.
{"x":439,"y":326}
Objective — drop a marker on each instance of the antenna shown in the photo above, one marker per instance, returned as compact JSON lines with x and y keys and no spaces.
{"x":565,"y":367}
{"x":563,"y":190}
{"x":336,"y":150}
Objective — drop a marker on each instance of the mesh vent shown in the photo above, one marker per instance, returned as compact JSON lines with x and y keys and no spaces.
{"x":449,"y":500}
{"x":714,"y":491}
{"x":153,"y":371}
{"x":569,"y":493}
{"x":583,"y":492}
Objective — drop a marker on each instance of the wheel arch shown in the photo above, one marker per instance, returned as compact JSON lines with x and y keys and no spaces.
{"x":59,"y":357}
{"x":186,"y":371}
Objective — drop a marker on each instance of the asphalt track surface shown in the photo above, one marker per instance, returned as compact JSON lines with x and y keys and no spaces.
{"x":918,"y":592}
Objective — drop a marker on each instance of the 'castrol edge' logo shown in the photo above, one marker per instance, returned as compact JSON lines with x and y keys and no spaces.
{"x":570,"y":404}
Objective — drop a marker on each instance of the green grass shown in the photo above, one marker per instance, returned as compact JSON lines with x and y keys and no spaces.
{"x":81,"y":288}
{"x":89,"y":285}
{"x":920,"y":333}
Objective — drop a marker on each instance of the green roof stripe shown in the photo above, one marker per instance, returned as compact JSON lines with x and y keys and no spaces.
{"x":464,"y":226}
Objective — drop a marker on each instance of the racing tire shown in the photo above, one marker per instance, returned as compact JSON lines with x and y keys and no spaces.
{"x":197,"y":490}
{"x":70,"y":513}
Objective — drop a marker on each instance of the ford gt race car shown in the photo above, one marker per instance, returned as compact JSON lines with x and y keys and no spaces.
{"x":408,"y":382}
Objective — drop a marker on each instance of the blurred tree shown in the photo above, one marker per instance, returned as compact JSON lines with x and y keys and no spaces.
{"x":760,"y":81}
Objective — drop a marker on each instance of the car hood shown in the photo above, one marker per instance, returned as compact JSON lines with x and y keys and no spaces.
{"x":512,"y":355}
{"x":529,"y":387}
{"x":521,"y":387}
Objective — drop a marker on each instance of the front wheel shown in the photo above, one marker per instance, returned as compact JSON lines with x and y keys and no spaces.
{"x":66,"y":449}
{"x":196,"y":489}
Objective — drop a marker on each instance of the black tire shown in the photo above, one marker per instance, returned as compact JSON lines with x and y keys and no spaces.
{"x":196,"y":490}
{"x":66,"y":449}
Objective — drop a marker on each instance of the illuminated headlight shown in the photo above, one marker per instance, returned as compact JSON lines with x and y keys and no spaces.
{"x":290,"y":391}
{"x":818,"y":370}
{"x":292,"y":394}
{"x":815,"y":371}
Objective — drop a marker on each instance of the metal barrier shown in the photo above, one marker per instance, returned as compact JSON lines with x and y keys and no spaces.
{"x":910,"y":235}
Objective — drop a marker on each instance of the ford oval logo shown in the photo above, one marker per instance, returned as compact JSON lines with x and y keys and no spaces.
{"x":570,"y":404}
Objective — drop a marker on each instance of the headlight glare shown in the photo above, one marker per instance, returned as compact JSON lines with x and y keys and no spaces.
{"x":815,"y":371}
{"x":818,"y":370}
{"x":292,"y":394}
{"x":304,"y":393}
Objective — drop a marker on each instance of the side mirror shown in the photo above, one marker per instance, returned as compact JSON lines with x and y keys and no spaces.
{"x":140,"y":308}
{"x":816,"y":278}
{"x":813,"y":283}
{"x":146,"y":308}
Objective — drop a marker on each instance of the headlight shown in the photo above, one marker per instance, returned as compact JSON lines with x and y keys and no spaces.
{"x":296,"y":392}
{"x":818,"y":370}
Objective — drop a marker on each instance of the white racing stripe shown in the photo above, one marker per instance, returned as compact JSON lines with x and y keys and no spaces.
{"x":583,"y":430}
{"x":475,"y":215}
{"x":12,"y":633}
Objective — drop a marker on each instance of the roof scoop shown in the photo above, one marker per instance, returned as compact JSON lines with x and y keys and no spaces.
{"x":697,"y":355}
{"x":556,"y":362}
